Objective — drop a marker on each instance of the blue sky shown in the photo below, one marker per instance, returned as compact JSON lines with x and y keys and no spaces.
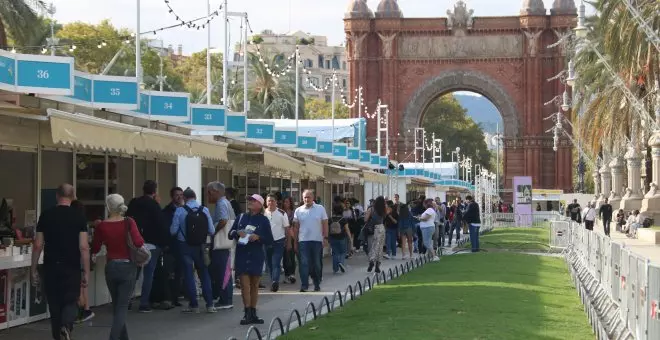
{"x":319,"y":17}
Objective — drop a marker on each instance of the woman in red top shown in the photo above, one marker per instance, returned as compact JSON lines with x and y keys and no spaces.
{"x":119,"y":270}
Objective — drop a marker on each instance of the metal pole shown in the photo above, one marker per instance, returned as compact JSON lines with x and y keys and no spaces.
{"x":332,"y":101}
{"x":138,"y":54}
{"x":497,"y":166}
{"x":246,"y":103}
{"x":359,"y":104}
{"x":161,"y":80}
{"x":297,"y":60}
{"x":208,"y":54}
{"x":51,"y":10}
{"x":225,"y":61}
{"x":378,"y":127}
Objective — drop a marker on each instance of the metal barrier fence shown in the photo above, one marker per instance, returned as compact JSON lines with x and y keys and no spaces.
{"x":537,"y":219}
{"x":619,"y":289}
{"x":313,"y":311}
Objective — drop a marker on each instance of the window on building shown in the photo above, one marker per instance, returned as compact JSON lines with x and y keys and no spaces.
{"x":335,"y":63}
{"x":309,"y":63}
{"x":321,"y":61}
{"x":327,"y":64}
{"x":343,"y":65}
{"x":343,"y":82}
{"x":314,"y":81}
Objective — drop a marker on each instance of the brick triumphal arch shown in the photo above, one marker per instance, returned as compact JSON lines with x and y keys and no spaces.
{"x":409,"y":62}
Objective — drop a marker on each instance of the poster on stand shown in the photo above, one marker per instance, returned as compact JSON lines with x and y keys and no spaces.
{"x":522,"y":189}
{"x":38,"y":305}
{"x":18,"y":294}
{"x":4,"y":281}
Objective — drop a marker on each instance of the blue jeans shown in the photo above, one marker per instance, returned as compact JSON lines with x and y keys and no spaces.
{"x":192,"y":257}
{"x":220,"y":259}
{"x":474,"y":237}
{"x":391,"y":236}
{"x":338,"y":247}
{"x":274,"y":254}
{"x":427,"y":237}
{"x":310,"y":262}
{"x":148,"y":276}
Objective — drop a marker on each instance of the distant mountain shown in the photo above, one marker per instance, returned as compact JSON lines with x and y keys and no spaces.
{"x":482,"y":111}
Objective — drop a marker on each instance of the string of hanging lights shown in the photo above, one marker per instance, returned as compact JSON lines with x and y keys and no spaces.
{"x":192,"y":24}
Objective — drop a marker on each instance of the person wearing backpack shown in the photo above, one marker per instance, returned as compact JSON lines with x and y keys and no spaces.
{"x":338,"y":234}
{"x":192,"y":225}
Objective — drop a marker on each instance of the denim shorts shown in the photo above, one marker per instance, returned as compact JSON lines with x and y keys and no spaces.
{"x":427,"y":236}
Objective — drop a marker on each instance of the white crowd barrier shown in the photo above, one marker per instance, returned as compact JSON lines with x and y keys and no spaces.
{"x":619,"y":288}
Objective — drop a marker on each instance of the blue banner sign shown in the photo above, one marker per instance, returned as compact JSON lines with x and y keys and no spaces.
{"x":7,"y":71}
{"x":83,"y":87}
{"x":384,"y":162}
{"x":365,"y":157}
{"x":46,"y":75}
{"x":205,"y":116}
{"x":307,"y":143}
{"x":354,"y":154}
{"x":375,"y":159}
{"x":262,"y":132}
{"x":284,"y":137}
{"x":236,"y":123}
{"x":324,"y":147}
{"x":165,"y":106}
{"x":113,"y":92}
{"x":340,"y":150}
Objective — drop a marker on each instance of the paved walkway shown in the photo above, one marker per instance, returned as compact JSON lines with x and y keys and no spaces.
{"x":651,"y":251}
{"x":171,"y":325}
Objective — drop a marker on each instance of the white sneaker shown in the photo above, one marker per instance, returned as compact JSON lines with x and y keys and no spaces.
{"x":387,"y":257}
{"x":435,"y":258}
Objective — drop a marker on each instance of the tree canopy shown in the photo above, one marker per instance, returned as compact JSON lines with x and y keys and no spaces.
{"x":449,"y":121}
{"x":19,"y":22}
{"x":316,"y":108}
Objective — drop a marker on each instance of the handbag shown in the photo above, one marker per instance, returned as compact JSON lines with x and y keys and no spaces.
{"x":221,"y":237}
{"x":139,"y":255}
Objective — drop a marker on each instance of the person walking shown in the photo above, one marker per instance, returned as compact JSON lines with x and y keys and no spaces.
{"x":427,"y":227}
{"x":148,"y":215}
{"x":119,"y":270}
{"x":589,"y":216}
{"x":191,"y":225}
{"x":174,"y":284}
{"x":84,"y":312}
{"x":473,"y":219}
{"x":279,"y":226}
{"x":251,"y":231}
{"x":406,"y":227}
{"x":311,"y":230}
{"x":339,"y":235}
{"x":63,"y":238}
{"x":391,"y":230}
{"x":606,"y":216}
{"x":375,"y":218}
{"x":223,"y":219}
{"x":291,"y":246}
{"x":456,"y":221}
{"x":573,"y":210}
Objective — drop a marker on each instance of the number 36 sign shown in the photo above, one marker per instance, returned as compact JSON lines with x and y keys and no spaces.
{"x":38,"y":74}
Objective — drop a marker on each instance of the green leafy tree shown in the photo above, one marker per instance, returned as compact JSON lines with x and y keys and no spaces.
{"x":193,"y":73}
{"x":316,"y":108}
{"x":19,"y":21}
{"x":449,"y":121}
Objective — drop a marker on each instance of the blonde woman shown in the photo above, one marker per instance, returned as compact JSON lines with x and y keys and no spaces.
{"x":119,"y":270}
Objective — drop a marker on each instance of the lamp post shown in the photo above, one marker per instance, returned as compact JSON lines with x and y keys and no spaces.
{"x":52,"y":41}
{"x":457,"y":152}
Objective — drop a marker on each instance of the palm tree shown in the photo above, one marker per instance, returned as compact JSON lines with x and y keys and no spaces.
{"x":19,"y":20}
{"x":609,"y":119}
{"x":270,"y":96}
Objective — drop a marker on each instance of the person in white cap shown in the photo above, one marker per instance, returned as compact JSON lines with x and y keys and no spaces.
{"x":252,"y":232}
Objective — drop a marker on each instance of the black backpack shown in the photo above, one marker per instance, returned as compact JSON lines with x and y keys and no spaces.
{"x":197,"y":226}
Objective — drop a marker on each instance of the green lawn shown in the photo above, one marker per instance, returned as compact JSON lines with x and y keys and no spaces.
{"x":515,"y":239}
{"x":472,"y":296}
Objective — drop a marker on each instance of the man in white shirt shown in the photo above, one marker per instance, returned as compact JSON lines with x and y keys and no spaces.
{"x":279,"y":225}
{"x":589,"y":216}
{"x":310,"y":223}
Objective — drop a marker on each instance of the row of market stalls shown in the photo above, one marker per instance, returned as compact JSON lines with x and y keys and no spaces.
{"x":104,"y":136}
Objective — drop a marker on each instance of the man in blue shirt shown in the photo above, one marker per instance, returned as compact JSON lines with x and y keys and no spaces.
{"x":223,"y":219}
{"x":193,"y":255}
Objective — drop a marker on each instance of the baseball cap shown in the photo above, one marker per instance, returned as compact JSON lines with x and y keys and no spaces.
{"x":256,"y":197}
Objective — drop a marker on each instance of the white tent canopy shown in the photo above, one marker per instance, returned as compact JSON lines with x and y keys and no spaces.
{"x":320,"y":128}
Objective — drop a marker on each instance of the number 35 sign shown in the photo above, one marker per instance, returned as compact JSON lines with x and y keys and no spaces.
{"x":38,"y":74}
